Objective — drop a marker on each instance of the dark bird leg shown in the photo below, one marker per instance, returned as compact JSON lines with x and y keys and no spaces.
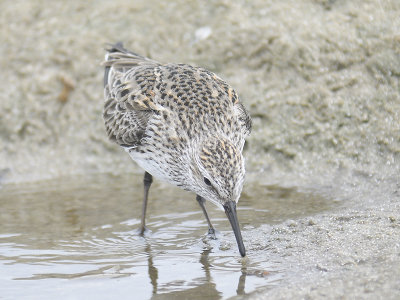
{"x":211,"y":230}
{"x":147,"y":180}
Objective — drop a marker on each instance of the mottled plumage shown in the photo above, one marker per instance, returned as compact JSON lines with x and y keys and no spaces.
{"x":182,"y":124}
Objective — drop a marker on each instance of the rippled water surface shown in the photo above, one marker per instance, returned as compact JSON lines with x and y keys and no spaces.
{"x":77,"y":236}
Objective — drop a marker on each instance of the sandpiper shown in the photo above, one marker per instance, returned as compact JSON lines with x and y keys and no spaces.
{"x":181,"y":124}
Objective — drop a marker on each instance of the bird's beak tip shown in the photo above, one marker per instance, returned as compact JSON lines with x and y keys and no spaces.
{"x":230,"y":211}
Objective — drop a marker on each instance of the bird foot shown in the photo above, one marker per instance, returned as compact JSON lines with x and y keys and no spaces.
{"x":143,"y":231}
{"x":211,"y":233}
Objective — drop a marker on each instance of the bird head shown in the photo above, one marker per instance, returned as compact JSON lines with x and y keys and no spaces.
{"x":218,"y":173}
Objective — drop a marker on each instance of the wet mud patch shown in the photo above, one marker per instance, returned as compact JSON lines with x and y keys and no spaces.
{"x":271,"y":204}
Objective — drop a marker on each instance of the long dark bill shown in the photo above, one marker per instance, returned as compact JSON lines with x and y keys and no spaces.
{"x":230,"y":211}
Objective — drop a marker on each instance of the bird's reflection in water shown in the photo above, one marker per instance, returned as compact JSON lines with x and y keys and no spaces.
{"x":153,"y":272}
{"x":242,"y":279}
{"x":206,"y":290}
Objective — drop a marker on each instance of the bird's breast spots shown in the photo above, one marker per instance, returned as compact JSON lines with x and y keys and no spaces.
{"x":172,"y":139}
{"x":206,"y":151}
{"x":129,"y":106}
{"x":146,"y":102}
{"x":120,"y":107}
{"x":215,"y":77}
{"x":214,"y":93}
{"x":229,"y":153}
{"x":205,"y":160}
{"x":124,"y":93}
{"x":230,"y":95}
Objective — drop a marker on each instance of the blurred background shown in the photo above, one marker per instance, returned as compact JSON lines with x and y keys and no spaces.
{"x":319,"y":77}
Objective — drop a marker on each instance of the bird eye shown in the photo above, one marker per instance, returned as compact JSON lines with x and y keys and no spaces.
{"x":207,"y":181}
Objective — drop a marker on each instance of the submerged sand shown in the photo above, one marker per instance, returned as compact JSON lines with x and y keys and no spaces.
{"x":320,"y":79}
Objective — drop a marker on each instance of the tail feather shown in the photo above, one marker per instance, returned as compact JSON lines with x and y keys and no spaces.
{"x":122,"y":59}
{"x":118,"y":48}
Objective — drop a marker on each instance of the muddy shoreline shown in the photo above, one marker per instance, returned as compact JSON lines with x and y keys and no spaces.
{"x":348,"y":252}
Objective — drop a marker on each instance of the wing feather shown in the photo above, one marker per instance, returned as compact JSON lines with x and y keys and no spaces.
{"x":129,"y":103}
{"x":243,"y":118}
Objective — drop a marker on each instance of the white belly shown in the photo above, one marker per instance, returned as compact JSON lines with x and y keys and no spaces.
{"x":149,"y":166}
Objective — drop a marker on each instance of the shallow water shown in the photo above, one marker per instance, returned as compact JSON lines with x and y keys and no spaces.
{"x":77,"y":236}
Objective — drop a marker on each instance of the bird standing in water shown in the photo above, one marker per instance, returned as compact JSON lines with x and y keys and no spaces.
{"x":181,"y":124}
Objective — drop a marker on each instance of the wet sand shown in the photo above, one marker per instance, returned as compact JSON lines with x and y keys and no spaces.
{"x":321,"y":81}
{"x":351,"y":252}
